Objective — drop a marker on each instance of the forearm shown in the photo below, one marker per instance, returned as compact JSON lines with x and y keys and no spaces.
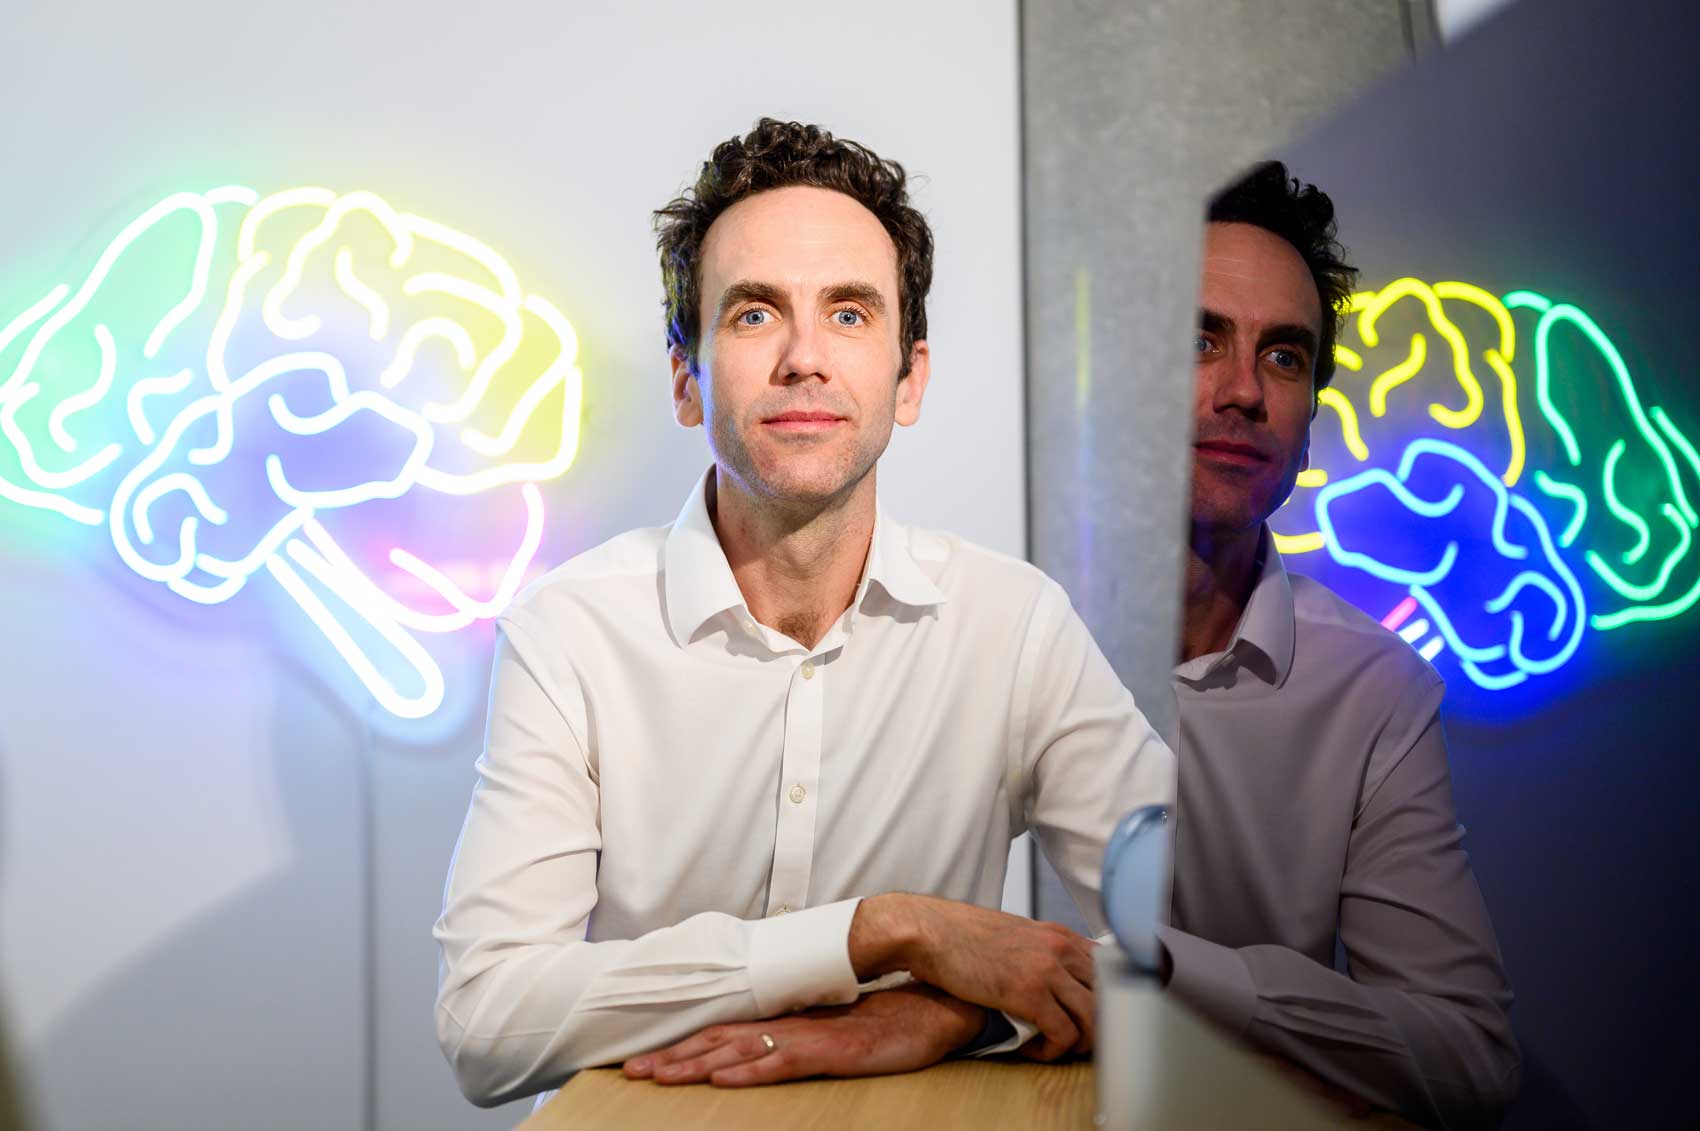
{"x":963,"y":1026}
{"x":515,"y":1019}
{"x":886,"y":935}
{"x":1444,"y":1056}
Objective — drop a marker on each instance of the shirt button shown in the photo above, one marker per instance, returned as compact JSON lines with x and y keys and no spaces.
{"x":750,"y":626}
{"x":797,"y":794}
{"x":781,"y":909}
{"x":808,"y":669}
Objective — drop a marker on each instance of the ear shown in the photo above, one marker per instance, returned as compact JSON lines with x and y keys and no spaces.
{"x":1315,"y":404}
{"x":912,"y":388}
{"x":687,"y":393}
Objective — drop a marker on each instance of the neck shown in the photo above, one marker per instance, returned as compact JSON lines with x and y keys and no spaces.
{"x":797,"y":564}
{"x":1221,"y":571}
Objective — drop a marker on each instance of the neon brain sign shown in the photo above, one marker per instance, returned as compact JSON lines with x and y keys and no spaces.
{"x":1486,"y":478}
{"x":306,"y":387}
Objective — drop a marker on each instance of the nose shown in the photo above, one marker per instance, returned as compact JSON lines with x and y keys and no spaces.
{"x":1237,"y":384}
{"x":805,"y":354}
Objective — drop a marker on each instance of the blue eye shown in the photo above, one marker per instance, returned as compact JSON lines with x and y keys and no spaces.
{"x":847,"y":317}
{"x":1200,"y":344}
{"x":1286,"y":359}
{"x":752,"y":317}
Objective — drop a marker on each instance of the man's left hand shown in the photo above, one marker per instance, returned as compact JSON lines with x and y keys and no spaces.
{"x":898,"y":1030}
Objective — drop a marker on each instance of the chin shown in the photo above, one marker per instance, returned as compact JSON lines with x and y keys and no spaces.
{"x":810,"y":476}
{"x":1226,"y":515}
{"x":807,"y":488}
{"x":799,"y":480}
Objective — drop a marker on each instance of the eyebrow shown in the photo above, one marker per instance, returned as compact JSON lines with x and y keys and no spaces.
{"x":745,"y":290}
{"x":865,"y":293}
{"x":748,"y":290}
{"x":1289,"y":333}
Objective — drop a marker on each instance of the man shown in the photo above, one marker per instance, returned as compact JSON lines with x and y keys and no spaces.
{"x":743,"y":765}
{"x":1315,"y":797}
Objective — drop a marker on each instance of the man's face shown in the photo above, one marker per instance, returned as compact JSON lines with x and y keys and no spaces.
{"x":798,"y":367}
{"x":1260,"y":322}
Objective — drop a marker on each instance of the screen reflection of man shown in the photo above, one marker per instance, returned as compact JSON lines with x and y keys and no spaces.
{"x":1315,"y":796}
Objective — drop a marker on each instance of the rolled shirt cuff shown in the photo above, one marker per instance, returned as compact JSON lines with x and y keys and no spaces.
{"x":886,"y":982}
{"x":802,"y":958}
{"x":1211,"y":978}
{"x":1002,"y":1033}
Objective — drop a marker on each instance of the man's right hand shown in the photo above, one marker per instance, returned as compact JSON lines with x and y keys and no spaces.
{"x":1039,"y":972}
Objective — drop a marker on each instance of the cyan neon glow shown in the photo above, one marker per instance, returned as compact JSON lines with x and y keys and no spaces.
{"x":1397,"y":458}
{"x":239,"y":377}
{"x":1570,"y":494}
{"x":1494,"y":648}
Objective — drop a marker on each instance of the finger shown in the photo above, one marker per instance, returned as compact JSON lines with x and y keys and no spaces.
{"x":694,"y":1045}
{"x":782,"y":1064}
{"x":644,"y":1066}
{"x":1076,"y":999}
{"x":739,"y":1049}
{"x":1077,"y":960}
{"x":1072,"y":951}
{"x":1057,"y":1032}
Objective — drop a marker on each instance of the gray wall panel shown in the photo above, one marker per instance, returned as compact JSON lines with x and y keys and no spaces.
{"x":1132,"y":112}
{"x":1554,"y":148}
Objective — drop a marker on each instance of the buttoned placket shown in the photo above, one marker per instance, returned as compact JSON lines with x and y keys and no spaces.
{"x":799,"y":786}
{"x":799,"y":767}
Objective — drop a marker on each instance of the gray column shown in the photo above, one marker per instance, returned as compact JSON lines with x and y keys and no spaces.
{"x":1133,"y":110}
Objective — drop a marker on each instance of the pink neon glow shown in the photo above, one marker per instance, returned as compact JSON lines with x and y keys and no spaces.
{"x":1400,"y":612}
{"x":512,"y":578}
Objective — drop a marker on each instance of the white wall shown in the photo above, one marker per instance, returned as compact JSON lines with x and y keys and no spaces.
{"x":1459,"y":17}
{"x":184,"y":864}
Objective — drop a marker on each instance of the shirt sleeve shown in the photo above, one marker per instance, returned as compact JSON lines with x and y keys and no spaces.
{"x":1420,"y":1024}
{"x":1083,"y":753}
{"x":523,"y":999}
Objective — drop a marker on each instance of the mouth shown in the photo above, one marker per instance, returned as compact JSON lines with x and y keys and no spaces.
{"x":1229,"y":453}
{"x":803,"y":422}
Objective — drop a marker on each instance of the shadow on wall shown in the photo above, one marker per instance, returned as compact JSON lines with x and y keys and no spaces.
{"x":13,"y":1102}
{"x":254,"y":1013}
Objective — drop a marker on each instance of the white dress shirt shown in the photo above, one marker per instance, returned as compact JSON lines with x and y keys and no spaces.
{"x":678,"y":807}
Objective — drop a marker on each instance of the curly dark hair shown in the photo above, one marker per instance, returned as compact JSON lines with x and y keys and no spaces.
{"x":1274,"y":200}
{"x":775,"y":155}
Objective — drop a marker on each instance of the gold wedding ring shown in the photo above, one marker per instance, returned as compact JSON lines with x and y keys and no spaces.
{"x":769,"y":1042}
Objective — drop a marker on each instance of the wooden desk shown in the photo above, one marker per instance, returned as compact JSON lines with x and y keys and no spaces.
{"x":1175,"y":1072}
{"x":970,"y":1095}
{"x":978,"y":1094}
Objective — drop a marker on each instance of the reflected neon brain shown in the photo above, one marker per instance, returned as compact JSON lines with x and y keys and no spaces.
{"x":1487,"y":480}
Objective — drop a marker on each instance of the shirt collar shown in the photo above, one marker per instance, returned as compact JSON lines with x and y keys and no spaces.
{"x":699,"y":584}
{"x":1266,"y":626}
{"x":893,"y":566}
